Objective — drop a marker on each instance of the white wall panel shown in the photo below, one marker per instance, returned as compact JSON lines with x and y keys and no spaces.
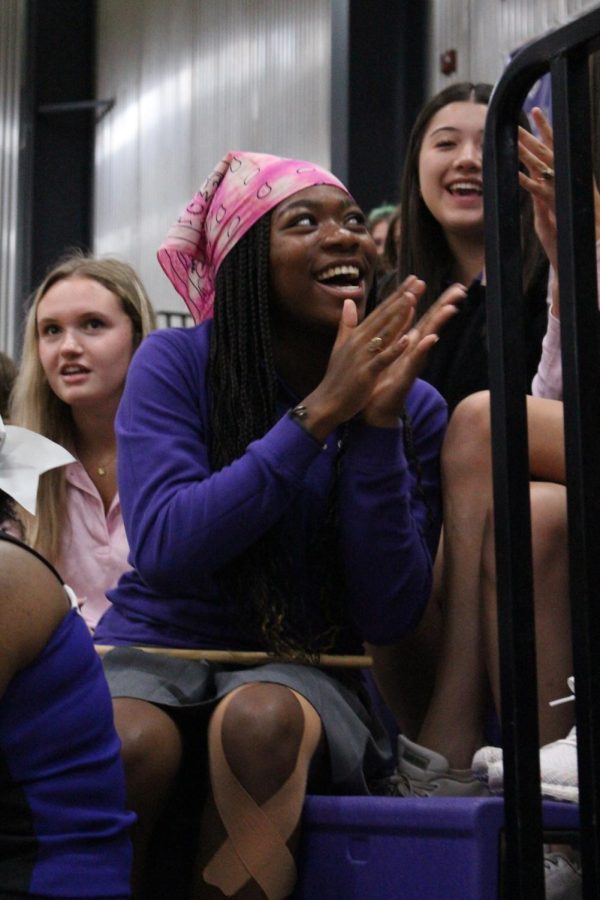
{"x":575,"y":7}
{"x":449,"y":29}
{"x":12,"y":49}
{"x":485,"y":32}
{"x":193,"y":79}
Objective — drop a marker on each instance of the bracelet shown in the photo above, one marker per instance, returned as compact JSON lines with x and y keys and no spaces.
{"x":299,"y":414}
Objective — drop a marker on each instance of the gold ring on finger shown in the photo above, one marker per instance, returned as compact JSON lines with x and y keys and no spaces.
{"x":375,"y":345}
{"x":547,"y":174}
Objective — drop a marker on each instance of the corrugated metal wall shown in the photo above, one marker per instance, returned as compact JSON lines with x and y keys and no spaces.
{"x":12,"y":49}
{"x":193,"y":79}
{"x":484,"y":32}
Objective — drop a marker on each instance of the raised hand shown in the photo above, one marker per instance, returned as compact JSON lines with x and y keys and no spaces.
{"x":360,"y":354}
{"x":388,"y":396}
{"x":537,"y":155}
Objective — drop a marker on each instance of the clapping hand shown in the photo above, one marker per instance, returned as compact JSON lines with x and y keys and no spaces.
{"x":374,"y":363}
{"x":388,"y":396}
{"x":362,"y":351}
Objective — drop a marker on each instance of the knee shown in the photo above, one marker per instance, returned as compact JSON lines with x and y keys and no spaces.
{"x":151,"y":746}
{"x":468,"y":439}
{"x":262,"y":730}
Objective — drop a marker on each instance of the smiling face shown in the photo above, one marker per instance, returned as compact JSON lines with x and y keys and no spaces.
{"x":450,"y":173}
{"x":321,"y":254}
{"x":85,"y":343}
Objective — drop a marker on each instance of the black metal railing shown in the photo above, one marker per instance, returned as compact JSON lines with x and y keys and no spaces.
{"x":565,"y":54}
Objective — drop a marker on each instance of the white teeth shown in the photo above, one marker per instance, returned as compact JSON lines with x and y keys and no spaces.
{"x":72,"y":370}
{"x":465,"y":186}
{"x":339,"y":270}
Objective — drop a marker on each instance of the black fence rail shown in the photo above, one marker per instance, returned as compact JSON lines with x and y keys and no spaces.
{"x":564,"y":53}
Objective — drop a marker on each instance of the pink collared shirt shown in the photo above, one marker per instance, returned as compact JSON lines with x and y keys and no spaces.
{"x":94,"y":547}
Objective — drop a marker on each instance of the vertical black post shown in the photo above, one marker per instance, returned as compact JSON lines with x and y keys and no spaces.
{"x":512,"y":516}
{"x":580,"y":332}
{"x":376,"y":92}
{"x":565,"y":52}
{"x":61,"y":71}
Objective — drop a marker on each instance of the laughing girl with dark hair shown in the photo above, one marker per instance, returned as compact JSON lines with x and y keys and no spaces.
{"x":442,"y":238}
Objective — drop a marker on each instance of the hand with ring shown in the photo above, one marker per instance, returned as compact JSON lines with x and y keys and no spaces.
{"x":375,"y":345}
{"x":361,"y":352}
{"x":395,"y":381}
{"x":537,"y":155}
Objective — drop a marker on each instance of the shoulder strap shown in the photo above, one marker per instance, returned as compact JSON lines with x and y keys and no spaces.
{"x":13,"y":540}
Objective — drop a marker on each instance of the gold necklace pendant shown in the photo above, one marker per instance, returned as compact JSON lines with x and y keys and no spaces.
{"x":103,"y":467}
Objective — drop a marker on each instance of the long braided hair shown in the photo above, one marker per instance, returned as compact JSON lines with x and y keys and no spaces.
{"x":243,"y":387}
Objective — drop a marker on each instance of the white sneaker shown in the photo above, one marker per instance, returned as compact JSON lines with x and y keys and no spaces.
{"x":424,"y":773}
{"x":558,"y":767}
{"x":562,"y":877}
{"x":487,"y":768}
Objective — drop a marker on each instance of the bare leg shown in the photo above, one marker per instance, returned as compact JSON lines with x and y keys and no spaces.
{"x":453,"y":722}
{"x":552,"y":609}
{"x":453,"y":725}
{"x":151,"y":749}
{"x":262,"y":731}
{"x":405,"y":672}
{"x":445,"y":650}
{"x":545,"y":435}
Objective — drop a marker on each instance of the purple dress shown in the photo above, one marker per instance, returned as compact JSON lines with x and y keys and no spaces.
{"x":64,"y":831}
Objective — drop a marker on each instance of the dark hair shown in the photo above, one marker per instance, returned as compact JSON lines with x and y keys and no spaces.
{"x":8,"y":515}
{"x":424,"y":250}
{"x":243,"y":388}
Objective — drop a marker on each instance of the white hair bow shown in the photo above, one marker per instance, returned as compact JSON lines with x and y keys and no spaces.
{"x":24,"y":456}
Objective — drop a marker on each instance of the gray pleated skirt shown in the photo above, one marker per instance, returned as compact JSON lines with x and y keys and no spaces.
{"x":358,"y":746}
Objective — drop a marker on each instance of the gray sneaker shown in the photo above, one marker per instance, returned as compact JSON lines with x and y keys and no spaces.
{"x":562,"y":877}
{"x":424,"y":773}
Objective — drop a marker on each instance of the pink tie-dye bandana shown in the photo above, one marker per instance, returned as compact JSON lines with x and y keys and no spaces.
{"x":242,"y":188}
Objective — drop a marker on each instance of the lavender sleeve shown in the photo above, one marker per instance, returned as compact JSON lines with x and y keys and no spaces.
{"x":548,"y":381}
{"x":184,"y":521}
{"x":391,"y":519}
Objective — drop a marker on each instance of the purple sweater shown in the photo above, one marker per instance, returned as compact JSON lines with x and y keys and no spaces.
{"x":184,"y":521}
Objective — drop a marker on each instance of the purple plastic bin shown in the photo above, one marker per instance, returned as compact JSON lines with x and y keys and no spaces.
{"x":381,"y":848}
{"x":560,"y":815}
